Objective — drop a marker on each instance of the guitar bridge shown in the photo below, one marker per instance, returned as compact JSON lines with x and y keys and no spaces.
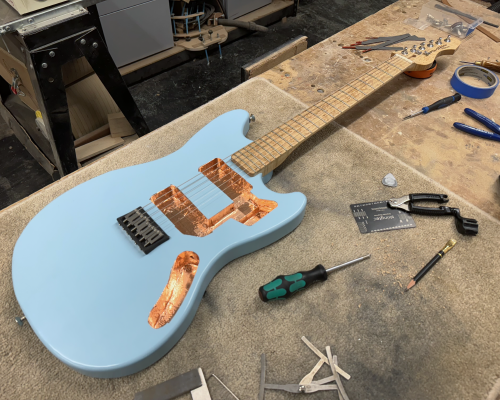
{"x":143,"y":230}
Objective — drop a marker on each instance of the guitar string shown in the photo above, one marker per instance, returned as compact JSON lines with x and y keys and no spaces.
{"x":305,"y":126}
{"x":319,"y":118}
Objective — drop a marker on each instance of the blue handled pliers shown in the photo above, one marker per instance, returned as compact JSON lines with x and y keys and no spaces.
{"x":480,"y":132}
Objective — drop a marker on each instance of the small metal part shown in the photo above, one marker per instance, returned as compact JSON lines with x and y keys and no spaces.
{"x":251,"y":118}
{"x":348,"y":263}
{"x":210,"y":33}
{"x":448,"y":39}
{"x":20,"y":320}
{"x":439,"y":41}
{"x":44,"y":65}
{"x":172,"y":388}
{"x":225,"y":387}
{"x":31,"y":20}
{"x":83,"y":41}
{"x":414,"y":49}
{"x":95,"y":45}
{"x":405,"y":51}
{"x":302,"y":389}
{"x":7,"y":28}
{"x":52,"y":54}
{"x":431,"y":43}
{"x":426,"y":53}
{"x":202,"y":392}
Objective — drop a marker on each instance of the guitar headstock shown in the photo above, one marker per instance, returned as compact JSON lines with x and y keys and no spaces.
{"x":424,"y":54}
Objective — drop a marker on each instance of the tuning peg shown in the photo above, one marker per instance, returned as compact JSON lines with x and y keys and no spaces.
{"x":405,"y":51}
{"x":414,"y":48}
{"x":448,"y":39}
{"x":431,"y":43}
{"x":439,"y":42}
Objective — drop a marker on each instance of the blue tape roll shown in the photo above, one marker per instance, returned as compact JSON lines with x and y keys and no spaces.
{"x":469,"y":90}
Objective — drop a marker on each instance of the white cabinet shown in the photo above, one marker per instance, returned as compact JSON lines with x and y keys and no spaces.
{"x":237,"y":8}
{"x":135,"y":29}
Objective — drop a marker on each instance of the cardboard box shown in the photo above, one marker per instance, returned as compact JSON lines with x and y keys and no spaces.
{"x":27,"y":6}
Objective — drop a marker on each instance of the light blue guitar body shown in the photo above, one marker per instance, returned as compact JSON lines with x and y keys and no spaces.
{"x":86,"y":288}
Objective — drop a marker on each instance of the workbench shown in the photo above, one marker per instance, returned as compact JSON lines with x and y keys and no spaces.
{"x":467,"y":165}
{"x":46,"y":40}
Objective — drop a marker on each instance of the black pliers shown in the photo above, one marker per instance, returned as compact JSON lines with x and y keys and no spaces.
{"x":466,"y":226}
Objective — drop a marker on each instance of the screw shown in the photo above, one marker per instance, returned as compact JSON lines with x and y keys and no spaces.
{"x":83,"y":41}
{"x":210,"y":33}
{"x":7,"y":28}
{"x":52,"y":54}
{"x":95,"y":45}
{"x":251,"y":118}
{"x":20,"y":320}
{"x":44,"y":65}
{"x":302,"y":389}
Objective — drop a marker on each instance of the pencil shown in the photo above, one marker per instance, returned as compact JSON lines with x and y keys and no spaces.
{"x":431,"y":263}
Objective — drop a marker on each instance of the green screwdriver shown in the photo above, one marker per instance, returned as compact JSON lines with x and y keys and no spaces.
{"x":283,"y":286}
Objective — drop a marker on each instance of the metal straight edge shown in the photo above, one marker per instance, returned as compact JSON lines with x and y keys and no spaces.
{"x":40,"y":16}
{"x":262,"y":376}
{"x":172,"y":388}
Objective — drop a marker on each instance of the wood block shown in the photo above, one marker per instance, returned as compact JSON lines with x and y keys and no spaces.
{"x":273,"y":58}
{"x":89,"y":105}
{"x":97,"y":147}
{"x":119,"y":126}
{"x":94,"y":135}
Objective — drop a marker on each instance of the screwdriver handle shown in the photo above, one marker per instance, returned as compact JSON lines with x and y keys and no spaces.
{"x":283,"y":286}
{"x":442,"y":103}
{"x":494,"y":66}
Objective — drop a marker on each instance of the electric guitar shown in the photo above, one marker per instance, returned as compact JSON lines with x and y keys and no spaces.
{"x":110,"y":274}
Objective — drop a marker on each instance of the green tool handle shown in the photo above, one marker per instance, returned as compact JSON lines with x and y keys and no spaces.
{"x":283,"y":286}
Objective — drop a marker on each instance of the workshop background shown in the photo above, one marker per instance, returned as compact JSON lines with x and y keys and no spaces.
{"x":183,"y":88}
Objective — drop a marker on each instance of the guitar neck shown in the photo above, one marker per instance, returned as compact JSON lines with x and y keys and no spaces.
{"x":269,"y":151}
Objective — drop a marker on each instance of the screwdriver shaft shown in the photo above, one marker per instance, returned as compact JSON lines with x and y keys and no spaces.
{"x":348,"y":263}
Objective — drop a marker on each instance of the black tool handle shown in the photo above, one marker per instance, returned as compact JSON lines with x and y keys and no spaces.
{"x":442,"y":103}
{"x":283,"y":286}
{"x":439,"y":198}
{"x":430,"y":211}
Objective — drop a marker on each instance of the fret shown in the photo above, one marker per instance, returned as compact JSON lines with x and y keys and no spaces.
{"x":307,"y":119}
{"x":241,"y":152}
{"x":392,"y":76}
{"x":324,"y":101}
{"x":264,"y":139}
{"x":293,"y":137}
{"x":348,"y":106}
{"x":253,"y":170}
{"x":355,"y":99}
{"x":324,"y":111}
{"x":366,"y":83}
{"x":317,"y":116}
{"x":291,"y":146}
{"x":255,"y":142}
{"x":375,"y":77}
{"x":297,"y":122}
{"x":290,"y":126}
{"x":394,"y":66}
{"x":364,"y":94}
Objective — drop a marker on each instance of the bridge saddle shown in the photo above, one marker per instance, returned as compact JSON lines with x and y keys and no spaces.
{"x":143,"y":230}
